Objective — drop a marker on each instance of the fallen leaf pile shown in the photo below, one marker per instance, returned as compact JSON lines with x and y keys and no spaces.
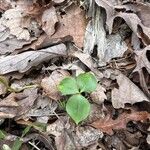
{"x":42,"y":42}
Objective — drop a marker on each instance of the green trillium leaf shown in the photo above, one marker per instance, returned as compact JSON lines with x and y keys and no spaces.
{"x":78,"y":108}
{"x":68,"y":86}
{"x":86,"y":82}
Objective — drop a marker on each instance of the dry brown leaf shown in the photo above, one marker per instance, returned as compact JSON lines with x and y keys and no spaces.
{"x":87,"y":136}
{"x":9,"y":101}
{"x":72,"y":24}
{"x":127,"y":92}
{"x":4,"y":5}
{"x":49,"y":19}
{"x":98,"y":96}
{"x":142,"y":10}
{"x":43,"y":109}
{"x":11,"y":44}
{"x":65,"y":139}
{"x":18,"y":104}
{"x":87,"y":60}
{"x":12,"y":19}
{"x":31,"y":7}
{"x":42,"y":42}
{"x":142,"y":59}
{"x":131,"y":19}
{"x":16,"y":27}
{"x":107,"y":124}
{"x":107,"y":46}
{"x":24,"y":61}
{"x":97,"y":112}
{"x":50,"y":84}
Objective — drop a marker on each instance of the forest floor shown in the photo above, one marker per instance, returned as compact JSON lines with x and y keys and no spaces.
{"x":43,"y":43}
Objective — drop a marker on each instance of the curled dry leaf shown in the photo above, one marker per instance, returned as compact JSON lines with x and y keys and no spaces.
{"x":50,"y":84}
{"x":107,"y":124}
{"x":72,"y":24}
{"x":98,"y":96}
{"x":128,"y":92}
{"x":132,"y":19}
{"x":24,"y":61}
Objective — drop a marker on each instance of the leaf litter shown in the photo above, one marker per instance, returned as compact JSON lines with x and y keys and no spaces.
{"x":42,"y":42}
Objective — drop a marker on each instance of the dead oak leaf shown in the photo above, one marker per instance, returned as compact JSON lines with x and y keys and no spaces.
{"x":107,"y":124}
{"x":49,"y":84}
{"x":142,"y":10}
{"x":132,"y":19}
{"x":72,"y":24}
{"x":128,"y":92}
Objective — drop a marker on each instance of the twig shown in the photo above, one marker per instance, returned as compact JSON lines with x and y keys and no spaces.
{"x":33,"y":145}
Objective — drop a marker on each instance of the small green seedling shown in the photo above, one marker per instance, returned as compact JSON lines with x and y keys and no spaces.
{"x":77,"y":106}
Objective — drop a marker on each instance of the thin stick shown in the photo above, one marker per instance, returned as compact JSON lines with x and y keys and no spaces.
{"x":33,"y":145}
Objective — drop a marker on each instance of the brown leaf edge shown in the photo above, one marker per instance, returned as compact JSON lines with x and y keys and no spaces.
{"x":107,"y":124}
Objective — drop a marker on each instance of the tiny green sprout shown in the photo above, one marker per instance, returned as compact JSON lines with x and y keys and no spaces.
{"x":77,"y":106}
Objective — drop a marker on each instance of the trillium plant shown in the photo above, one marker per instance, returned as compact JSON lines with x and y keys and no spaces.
{"x":77,"y":106}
